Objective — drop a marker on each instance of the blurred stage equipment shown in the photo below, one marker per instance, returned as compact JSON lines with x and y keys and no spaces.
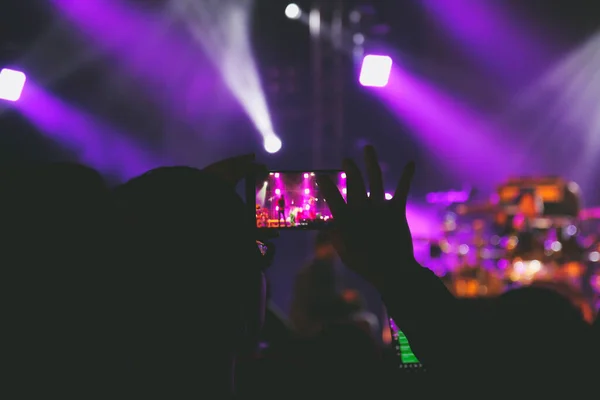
{"x":531,"y":231}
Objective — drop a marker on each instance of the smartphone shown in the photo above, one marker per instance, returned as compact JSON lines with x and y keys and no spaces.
{"x":406,"y":357}
{"x":292,"y":200}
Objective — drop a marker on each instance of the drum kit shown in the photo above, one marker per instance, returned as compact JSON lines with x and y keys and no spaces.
{"x":531,"y":231}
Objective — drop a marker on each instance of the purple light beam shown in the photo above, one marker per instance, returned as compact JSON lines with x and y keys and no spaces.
{"x":465,"y":143}
{"x":494,"y":38}
{"x":164,"y":60}
{"x":96,"y":144}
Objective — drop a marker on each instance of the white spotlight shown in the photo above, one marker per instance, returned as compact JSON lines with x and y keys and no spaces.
{"x":292,"y":11}
{"x":272,"y":144}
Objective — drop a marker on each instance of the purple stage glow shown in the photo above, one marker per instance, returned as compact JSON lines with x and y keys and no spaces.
{"x":449,"y":197}
{"x":12,"y":83}
{"x":423,"y":221}
{"x":375,"y":71}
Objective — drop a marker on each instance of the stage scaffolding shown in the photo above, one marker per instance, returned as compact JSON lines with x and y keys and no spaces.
{"x":328,"y":63}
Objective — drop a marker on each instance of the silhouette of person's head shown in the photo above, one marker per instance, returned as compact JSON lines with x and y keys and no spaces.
{"x":324,"y":249}
{"x":353,"y":299}
{"x":346,"y":361}
{"x":544,"y":332}
{"x":54,"y":257}
{"x":596,"y":336}
{"x":193,"y":273}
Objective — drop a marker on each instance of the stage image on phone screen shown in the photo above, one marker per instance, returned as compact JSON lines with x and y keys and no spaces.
{"x":405,"y":354}
{"x":292,"y":200}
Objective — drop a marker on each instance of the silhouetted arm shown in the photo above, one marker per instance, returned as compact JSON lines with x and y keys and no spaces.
{"x":442,"y":333}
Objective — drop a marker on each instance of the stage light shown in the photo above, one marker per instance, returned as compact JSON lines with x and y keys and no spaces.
{"x":375,"y":71}
{"x":343,"y":175}
{"x":272,"y":144}
{"x":306,"y":176}
{"x":306,"y":191}
{"x":358,"y":39}
{"x":292,"y":11}
{"x":276,"y":175}
{"x":277,"y":192}
{"x":11,"y":84}
{"x":388,"y":196}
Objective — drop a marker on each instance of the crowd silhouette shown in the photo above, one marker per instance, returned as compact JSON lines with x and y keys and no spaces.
{"x":138,"y":292}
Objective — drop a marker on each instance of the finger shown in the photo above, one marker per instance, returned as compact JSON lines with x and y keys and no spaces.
{"x":401,"y":195}
{"x":332,"y":195}
{"x":356,"y":193}
{"x":374,"y":175}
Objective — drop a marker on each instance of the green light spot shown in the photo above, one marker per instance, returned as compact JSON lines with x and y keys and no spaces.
{"x":406,"y":354}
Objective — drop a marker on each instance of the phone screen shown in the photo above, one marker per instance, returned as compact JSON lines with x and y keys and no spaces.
{"x":292,"y":200}
{"x":406,"y":357}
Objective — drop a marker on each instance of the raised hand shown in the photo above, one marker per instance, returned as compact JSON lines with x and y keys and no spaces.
{"x":371,"y":234}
